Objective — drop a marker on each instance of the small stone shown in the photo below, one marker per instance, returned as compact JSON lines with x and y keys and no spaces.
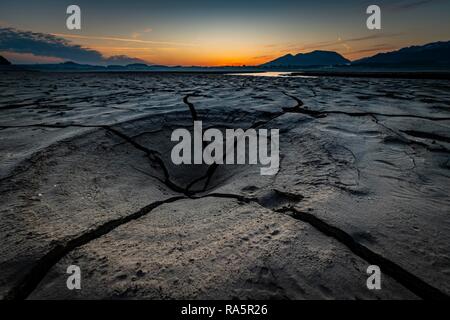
{"x":140,"y":273}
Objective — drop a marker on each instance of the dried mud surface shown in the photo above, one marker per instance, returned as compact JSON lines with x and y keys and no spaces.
{"x":86,"y":178}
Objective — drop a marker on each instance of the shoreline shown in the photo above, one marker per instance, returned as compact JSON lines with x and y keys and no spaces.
{"x":423,"y":75}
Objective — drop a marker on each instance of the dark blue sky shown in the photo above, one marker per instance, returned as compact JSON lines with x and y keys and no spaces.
{"x":216,"y":32}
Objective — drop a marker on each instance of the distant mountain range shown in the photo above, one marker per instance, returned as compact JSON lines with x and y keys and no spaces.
{"x":436,"y":54}
{"x":73,"y":66}
{"x":70,"y":66}
{"x":311,"y":59}
{"x":433,"y":55}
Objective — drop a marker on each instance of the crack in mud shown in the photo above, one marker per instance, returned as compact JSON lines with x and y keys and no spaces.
{"x":402,"y":276}
{"x":321,"y":114}
{"x":191,"y":106}
{"x":300,"y":108}
{"x":40,"y":269}
{"x":426,"y":135}
{"x":416,"y":285}
{"x":213,"y":167}
{"x":151,"y":154}
{"x":405,"y":140}
{"x":32,"y":279}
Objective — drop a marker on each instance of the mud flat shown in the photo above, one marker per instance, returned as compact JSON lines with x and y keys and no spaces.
{"x":87,"y":179}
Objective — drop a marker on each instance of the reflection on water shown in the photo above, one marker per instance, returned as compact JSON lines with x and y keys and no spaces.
{"x":269,"y":74}
{"x":262,"y":74}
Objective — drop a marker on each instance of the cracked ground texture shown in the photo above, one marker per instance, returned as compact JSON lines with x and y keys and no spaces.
{"x":86,"y":178}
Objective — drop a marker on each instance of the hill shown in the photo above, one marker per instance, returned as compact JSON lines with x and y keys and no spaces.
{"x":314,"y":58}
{"x":436,"y":54}
{"x":4,"y":62}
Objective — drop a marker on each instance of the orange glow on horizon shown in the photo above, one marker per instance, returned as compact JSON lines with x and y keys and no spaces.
{"x":211,"y":53}
{"x":216,"y":57}
{"x":218,"y":60}
{"x":196,"y":56}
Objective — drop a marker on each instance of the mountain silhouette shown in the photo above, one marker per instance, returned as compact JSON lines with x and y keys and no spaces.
{"x":4,"y":62}
{"x":436,"y":54}
{"x":314,"y":58}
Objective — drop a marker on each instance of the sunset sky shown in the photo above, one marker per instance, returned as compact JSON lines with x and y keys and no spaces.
{"x":212,"y":33}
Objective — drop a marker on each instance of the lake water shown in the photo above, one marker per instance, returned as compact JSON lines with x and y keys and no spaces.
{"x":269,"y":74}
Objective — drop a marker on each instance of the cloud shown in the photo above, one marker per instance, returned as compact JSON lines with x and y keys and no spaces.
{"x":24,"y":58}
{"x":75,"y":36}
{"x":373,"y":36}
{"x":339,"y":42}
{"x":407,"y":5}
{"x":272,"y":45}
{"x":135,"y":35}
{"x":375,"y":48}
{"x":138,"y":34}
{"x":47,"y":45}
{"x":263,"y":57}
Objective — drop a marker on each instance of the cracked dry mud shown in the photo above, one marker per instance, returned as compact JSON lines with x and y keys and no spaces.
{"x":86,"y":179}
